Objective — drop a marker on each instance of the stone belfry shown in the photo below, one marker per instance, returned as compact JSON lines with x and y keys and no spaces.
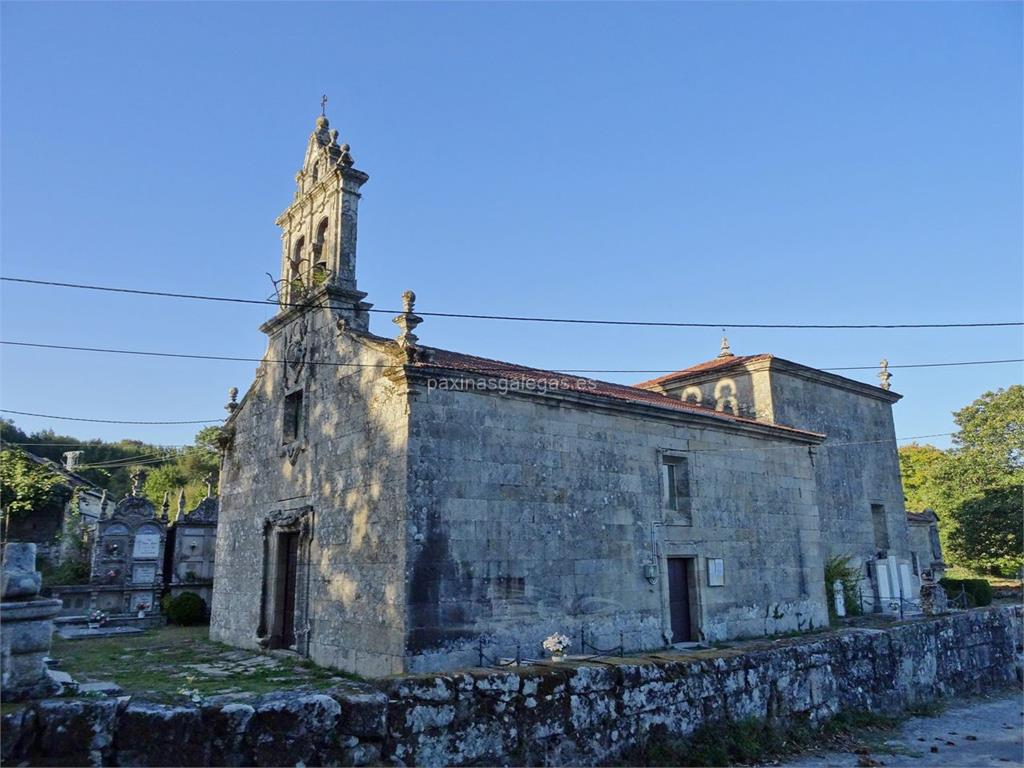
{"x":318,"y":229}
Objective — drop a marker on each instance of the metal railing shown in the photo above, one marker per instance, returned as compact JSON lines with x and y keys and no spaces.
{"x":496,"y":661}
{"x":585,"y":645}
{"x":901,"y":605}
{"x":588,"y":652}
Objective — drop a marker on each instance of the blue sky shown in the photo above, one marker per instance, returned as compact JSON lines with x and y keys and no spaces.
{"x":777,"y":162}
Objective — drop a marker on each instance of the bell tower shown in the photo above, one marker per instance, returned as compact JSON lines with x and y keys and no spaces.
{"x":318,"y":229}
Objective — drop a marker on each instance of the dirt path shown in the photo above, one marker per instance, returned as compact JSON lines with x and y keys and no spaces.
{"x":982,"y":732}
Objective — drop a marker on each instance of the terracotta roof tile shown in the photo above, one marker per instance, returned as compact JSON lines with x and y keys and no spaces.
{"x":481,"y":366}
{"x":709,"y":365}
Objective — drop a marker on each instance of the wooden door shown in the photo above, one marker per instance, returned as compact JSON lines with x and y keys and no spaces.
{"x":679,"y":598}
{"x":287,"y":569}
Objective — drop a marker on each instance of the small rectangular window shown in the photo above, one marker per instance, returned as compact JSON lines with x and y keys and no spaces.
{"x":292,"y":416}
{"x":880,"y":526}
{"x":675,"y":485}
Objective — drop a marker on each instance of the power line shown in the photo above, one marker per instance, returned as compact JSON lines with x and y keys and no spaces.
{"x":84,"y":445}
{"x":107,"y":421}
{"x":524,"y":318}
{"x":335,"y":364}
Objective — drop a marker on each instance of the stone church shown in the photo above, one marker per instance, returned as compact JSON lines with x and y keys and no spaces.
{"x":388,"y":506}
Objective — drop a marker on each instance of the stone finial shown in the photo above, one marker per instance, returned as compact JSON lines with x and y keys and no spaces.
{"x":104,"y":504}
{"x":346,"y":153}
{"x":724,"y":351}
{"x":209,"y":484}
{"x":165,"y":507}
{"x":408,"y":321}
{"x":138,"y":478}
{"x":181,"y":504}
{"x":884,"y":374}
{"x":233,"y":403}
{"x":71,"y":459}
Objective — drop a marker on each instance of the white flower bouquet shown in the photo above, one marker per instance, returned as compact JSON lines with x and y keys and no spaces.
{"x":557,"y":644}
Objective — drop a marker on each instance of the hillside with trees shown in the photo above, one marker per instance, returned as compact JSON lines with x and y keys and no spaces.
{"x":110,"y":465}
{"x":976,"y":488}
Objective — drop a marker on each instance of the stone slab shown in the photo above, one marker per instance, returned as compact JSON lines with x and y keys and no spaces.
{"x":77,"y":633}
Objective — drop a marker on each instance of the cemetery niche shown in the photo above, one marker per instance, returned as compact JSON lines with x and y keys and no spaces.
{"x":127,"y":564}
{"x":191,"y":543}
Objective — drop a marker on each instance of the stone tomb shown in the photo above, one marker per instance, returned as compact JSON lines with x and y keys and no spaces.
{"x":128,"y":559}
{"x":191,"y":542}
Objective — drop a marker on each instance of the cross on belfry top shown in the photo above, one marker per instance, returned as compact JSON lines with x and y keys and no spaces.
{"x":323,"y":105}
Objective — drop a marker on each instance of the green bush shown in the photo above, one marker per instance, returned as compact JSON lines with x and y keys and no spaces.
{"x":68,"y":572}
{"x":185,"y":609}
{"x":979,"y":591}
{"x":838,"y":568}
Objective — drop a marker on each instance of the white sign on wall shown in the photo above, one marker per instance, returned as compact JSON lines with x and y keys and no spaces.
{"x":716,"y":572}
{"x":147,"y":545}
{"x":144,"y":574}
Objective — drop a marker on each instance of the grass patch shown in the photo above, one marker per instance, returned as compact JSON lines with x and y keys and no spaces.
{"x":169,"y":659}
{"x":997,"y":582}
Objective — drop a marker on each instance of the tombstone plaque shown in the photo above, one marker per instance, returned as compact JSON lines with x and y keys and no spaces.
{"x":144,"y":574}
{"x":147,"y":546}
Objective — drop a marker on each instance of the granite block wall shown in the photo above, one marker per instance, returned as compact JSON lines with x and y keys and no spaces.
{"x":528,"y":516}
{"x":566,"y":714}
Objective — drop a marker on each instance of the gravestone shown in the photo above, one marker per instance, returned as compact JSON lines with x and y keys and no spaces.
{"x":839,"y":598}
{"x":127,"y":564}
{"x":27,"y":622}
{"x":192,"y":542}
{"x":933,"y":596}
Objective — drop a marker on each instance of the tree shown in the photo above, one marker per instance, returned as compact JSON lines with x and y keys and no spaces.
{"x":188,"y":470}
{"x":27,"y":486}
{"x":921,"y":468}
{"x":977,"y":487}
{"x":115,"y":477}
{"x":989,"y":446}
{"x":988,"y":531}
{"x":984,"y":479}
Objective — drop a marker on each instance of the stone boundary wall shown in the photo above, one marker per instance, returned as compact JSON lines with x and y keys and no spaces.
{"x":574,"y":713}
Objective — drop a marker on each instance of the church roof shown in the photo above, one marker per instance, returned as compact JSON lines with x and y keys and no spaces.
{"x":481,"y":366}
{"x":706,"y":367}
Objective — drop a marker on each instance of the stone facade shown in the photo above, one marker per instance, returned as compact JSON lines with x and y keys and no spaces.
{"x":531,"y":515}
{"x":387,"y":506}
{"x":856,"y":468}
{"x":584,"y":713}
